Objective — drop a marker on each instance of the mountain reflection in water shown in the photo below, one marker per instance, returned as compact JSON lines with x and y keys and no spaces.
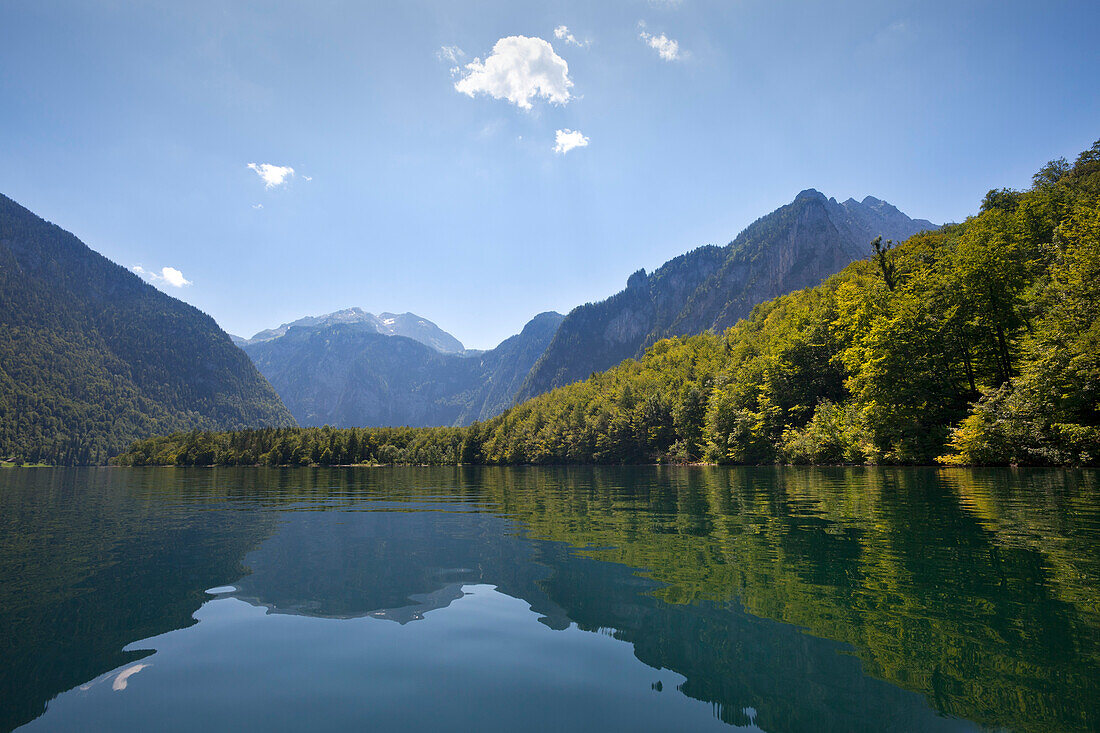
{"x":785,"y":599}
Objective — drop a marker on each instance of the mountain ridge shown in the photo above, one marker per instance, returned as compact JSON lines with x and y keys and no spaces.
{"x":409,"y":325}
{"x":92,"y":357}
{"x":348,"y":374}
{"x":707,"y":288}
{"x":711,"y":288}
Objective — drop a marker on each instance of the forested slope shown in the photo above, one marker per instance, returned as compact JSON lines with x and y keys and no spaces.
{"x":975,"y":344}
{"x":93,"y":358}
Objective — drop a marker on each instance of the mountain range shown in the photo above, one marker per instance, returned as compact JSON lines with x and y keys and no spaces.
{"x":92,"y":357}
{"x":408,"y":325}
{"x":342,"y":371}
{"x":352,"y":368}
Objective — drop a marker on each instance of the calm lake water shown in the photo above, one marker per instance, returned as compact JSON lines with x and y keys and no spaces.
{"x":666,"y":599}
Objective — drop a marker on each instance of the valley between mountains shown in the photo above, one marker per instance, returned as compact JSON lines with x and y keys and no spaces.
{"x":825,"y":332}
{"x":352,"y":368}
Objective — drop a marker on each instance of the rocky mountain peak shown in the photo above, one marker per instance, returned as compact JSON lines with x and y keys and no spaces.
{"x":408,"y":325}
{"x":810,"y":194}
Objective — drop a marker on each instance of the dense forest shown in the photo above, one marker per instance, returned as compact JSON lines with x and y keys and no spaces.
{"x":93,"y":358}
{"x":975,"y":344}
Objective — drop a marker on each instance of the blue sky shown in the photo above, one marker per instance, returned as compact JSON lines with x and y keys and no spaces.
{"x":419,"y":186}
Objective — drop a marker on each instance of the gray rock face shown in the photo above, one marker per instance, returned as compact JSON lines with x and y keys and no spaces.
{"x":504,"y":368}
{"x":796,"y":246}
{"x":346,"y":374}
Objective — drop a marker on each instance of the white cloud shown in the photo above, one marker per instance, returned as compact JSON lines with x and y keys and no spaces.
{"x":667,"y":48}
{"x":257,"y":206}
{"x":308,"y":178}
{"x":451,"y":54}
{"x":273,"y":175}
{"x":519,"y":69}
{"x":122,"y":679}
{"x":562,"y":33}
{"x":567,"y":139}
{"x":167,"y":275}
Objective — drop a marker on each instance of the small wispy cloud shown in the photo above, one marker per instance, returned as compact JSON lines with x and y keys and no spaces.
{"x":307,"y":178}
{"x":562,"y":33}
{"x":121,"y":680}
{"x":452,"y":55}
{"x":566,"y":140}
{"x":272,"y":175}
{"x":667,"y":48}
{"x":519,"y":69}
{"x":167,"y":275}
{"x":257,"y":206}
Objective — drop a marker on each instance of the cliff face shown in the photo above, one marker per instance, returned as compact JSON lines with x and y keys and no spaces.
{"x":794,"y":247}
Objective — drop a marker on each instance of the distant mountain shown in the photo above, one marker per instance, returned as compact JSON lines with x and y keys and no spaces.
{"x":502,"y":370}
{"x":93,"y":358}
{"x":348,"y":373}
{"x":352,"y":368}
{"x":794,"y":247}
{"x":409,"y":325}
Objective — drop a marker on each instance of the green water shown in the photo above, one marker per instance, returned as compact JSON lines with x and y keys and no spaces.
{"x":771,"y":599}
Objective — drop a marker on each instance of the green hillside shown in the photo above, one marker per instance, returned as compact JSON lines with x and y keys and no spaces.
{"x":977,"y":343}
{"x":93,"y":358}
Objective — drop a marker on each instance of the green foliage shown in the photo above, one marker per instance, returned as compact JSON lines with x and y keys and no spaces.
{"x":302,"y":447}
{"x":979,"y":341}
{"x":1049,"y":412}
{"x":834,"y":435}
{"x":92,"y":358}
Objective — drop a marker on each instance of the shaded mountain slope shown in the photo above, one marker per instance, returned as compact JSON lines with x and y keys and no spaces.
{"x":349,"y":374}
{"x":92,"y":357}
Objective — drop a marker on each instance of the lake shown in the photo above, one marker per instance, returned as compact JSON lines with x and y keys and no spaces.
{"x":550,"y":599}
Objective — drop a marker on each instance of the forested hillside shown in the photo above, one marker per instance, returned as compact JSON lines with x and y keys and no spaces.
{"x":796,"y":246}
{"x":975,"y":344}
{"x":93,"y":358}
